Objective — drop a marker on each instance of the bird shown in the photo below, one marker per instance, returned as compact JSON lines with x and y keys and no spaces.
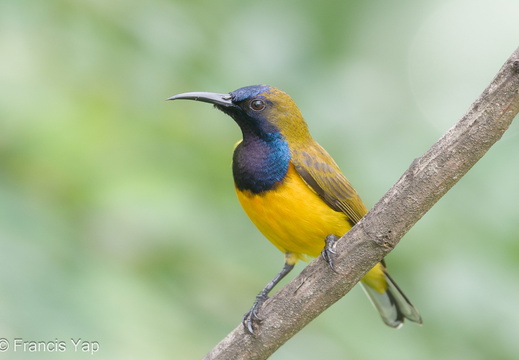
{"x":295,"y":194}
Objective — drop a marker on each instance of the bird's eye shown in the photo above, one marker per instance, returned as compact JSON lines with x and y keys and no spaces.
{"x":257,"y":105}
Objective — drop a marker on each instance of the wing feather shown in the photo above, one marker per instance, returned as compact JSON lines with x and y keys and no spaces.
{"x":321,"y":173}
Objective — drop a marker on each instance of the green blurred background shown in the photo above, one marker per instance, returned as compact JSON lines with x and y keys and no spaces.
{"x":118,"y":219}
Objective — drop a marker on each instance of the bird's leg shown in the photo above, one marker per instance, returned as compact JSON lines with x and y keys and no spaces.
{"x":327,"y":252}
{"x":252,"y":315}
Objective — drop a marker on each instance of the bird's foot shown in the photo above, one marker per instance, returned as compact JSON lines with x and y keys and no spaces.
{"x":328,"y":250}
{"x":251,"y":318}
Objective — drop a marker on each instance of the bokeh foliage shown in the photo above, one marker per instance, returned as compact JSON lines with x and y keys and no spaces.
{"x":118,"y":220}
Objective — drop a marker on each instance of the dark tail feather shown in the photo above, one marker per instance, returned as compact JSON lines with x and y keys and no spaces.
{"x":392,"y":305}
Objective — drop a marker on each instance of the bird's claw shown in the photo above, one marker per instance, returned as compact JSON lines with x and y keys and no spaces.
{"x":328,"y":250}
{"x":251,"y":317}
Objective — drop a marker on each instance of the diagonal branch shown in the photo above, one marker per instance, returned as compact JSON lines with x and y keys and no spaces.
{"x":420,"y":187}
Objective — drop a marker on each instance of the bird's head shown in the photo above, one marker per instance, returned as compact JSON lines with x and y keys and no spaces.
{"x":260,"y":111}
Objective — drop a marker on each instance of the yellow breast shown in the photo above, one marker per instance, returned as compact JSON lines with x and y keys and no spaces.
{"x":293,"y":217}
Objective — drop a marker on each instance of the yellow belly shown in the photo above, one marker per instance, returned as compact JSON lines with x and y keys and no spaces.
{"x":297,"y":221}
{"x":293,"y":217}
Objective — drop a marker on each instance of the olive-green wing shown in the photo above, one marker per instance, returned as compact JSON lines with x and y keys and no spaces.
{"x":322,"y":174}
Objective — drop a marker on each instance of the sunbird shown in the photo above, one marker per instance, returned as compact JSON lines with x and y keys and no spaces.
{"x":295,"y":193}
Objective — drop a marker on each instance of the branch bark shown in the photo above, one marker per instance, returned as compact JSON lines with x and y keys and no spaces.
{"x":428,"y":178}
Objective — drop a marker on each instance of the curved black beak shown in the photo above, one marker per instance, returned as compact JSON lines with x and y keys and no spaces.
{"x":211,"y":98}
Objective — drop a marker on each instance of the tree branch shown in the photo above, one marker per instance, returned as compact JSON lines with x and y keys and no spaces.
{"x":428,"y":178}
